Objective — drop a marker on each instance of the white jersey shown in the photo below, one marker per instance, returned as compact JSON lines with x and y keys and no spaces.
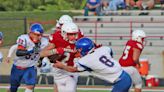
{"x":32,"y":59}
{"x":59,"y":73}
{"x":46,"y":65}
{"x":101,"y":64}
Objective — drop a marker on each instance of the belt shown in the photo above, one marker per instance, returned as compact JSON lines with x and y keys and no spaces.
{"x":21,"y":68}
{"x":118,"y":79}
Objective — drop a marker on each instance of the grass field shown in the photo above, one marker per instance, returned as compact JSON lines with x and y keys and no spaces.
{"x":83,"y":89}
{"x":51,"y":90}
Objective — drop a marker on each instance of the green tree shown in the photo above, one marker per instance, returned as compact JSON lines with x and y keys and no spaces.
{"x":28,"y":5}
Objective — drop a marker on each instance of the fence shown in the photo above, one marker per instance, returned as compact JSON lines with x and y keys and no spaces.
{"x":13,"y":27}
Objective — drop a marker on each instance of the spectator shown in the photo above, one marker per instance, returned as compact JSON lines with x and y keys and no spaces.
{"x":132,"y":3}
{"x":114,"y":4}
{"x":92,"y":5}
{"x":146,"y":5}
{"x":162,"y":4}
{"x":105,"y":7}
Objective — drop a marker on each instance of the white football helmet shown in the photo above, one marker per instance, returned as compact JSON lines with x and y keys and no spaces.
{"x":138,"y":35}
{"x":65,"y":19}
{"x":69,"y":28}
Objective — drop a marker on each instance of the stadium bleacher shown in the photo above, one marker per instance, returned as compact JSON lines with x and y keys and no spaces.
{"x":114,"y":31}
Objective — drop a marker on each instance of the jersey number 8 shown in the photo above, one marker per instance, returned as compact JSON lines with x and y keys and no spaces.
{"x":103,"y":59}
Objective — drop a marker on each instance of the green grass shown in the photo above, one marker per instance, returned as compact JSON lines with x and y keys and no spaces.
{"x":51,"y":90}
{"x":12,"y":23}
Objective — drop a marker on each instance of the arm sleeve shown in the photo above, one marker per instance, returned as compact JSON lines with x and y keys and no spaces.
{"x":22,"y":42}
{"x":80,"y":67}
{"x":12,"y":50}
{"x":23,"y":52}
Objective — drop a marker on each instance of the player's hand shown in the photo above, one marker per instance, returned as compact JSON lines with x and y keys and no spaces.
{"x":7,"y":60}
{"x":58,"y":64}
{"x":77,"y":55}
{"x":70,"y":50}
{"x":60,"y":51}
{"x":98,"y":45}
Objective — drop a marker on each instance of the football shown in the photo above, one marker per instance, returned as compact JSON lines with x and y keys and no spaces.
{"x":55,"y":57}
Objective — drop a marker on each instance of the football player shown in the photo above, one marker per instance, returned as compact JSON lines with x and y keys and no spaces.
{"x":100,"y":63}
{"x":65,"y":41}
{"x":130,"y":57}
{"x":27,"y":55}
{"x":1,"y":42}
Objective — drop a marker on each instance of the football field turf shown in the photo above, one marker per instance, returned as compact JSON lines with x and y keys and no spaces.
{"x":51,"y":90}
{"x":82,"y":89}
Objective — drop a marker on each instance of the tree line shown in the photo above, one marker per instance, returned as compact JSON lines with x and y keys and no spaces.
{"x":43,"y":5}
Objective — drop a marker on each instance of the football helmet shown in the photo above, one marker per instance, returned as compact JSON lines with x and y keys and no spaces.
{"x":138,"y":35}
{"x":69,"y":29}
{"x":36,"y":31}
{"x":36,"y":28}
{"x":65,"y":19}
{"x":84,"y":45}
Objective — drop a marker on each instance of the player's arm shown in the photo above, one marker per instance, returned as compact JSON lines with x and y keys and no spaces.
{"x":136,"y":55}
{"x":12,"y":49}
{"x":21,"y":48}
{"x":48,"y":50}
{"x":22,"y":51}
{"x":67,"y":68}
{"x":51,"y":50}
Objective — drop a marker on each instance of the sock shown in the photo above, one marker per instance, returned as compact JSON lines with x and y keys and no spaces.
{"x":13,"y":89}
{"x":28,"y":90}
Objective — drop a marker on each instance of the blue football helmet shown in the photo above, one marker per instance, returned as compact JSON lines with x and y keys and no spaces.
{"x":85,"y":44}
{"x":36,"y":28}
{"x":1,"y":35}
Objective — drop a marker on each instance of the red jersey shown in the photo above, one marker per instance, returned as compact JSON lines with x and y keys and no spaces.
{"x":58,"y":41}
{"x":127,"y":56}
